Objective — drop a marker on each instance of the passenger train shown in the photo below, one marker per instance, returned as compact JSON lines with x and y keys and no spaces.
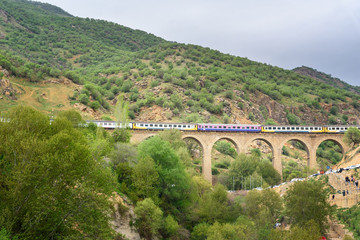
{"x":223,"y":127}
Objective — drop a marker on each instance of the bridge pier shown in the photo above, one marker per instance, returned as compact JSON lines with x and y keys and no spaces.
{"x":312,"y":158}
{"x":206,"y":164}
{"x":276,"y":161}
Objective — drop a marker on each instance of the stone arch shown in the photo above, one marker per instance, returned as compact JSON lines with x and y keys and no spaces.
{"x":228,"y":139}
{"x":303,"y":142}
{"x":268,"y":142}
{"x":341,"y":144}
{"x":201,"y":147}
{"x":138,"y":137}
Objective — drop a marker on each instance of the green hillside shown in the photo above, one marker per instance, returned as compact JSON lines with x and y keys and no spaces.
{"x":161,"y":80}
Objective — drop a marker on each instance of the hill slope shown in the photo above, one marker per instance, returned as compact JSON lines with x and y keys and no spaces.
{"x":162,"y":81}
{"x":326,"y":78}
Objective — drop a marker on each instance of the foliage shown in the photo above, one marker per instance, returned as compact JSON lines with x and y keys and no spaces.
{"x":121,"y":135}
{"x":305,"y":201}
{"x":148,"y":218}
{"x":225,"y":148}
{"x":145,"y":179}
{"x":352,"y":136}
{"x":174,"y":183}
{"x":44,"y":167}
{"x":309,"y":231}
{"x":245,"y":166}
{"x":40,"y":42}
{"x":351,"y":218}
{"x":328,"y":153}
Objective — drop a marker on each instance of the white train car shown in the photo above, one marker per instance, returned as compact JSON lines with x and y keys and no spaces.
{"x":109,"y":124}
{"x":165,"y":126}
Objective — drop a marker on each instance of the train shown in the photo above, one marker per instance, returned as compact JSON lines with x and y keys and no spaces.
{"x":223,"y":127}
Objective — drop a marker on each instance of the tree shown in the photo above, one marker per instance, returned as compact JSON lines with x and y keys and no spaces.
{"x":174,"y":183}
{"x":264,"y":207}
{"x":52,"y":188}
{"x":73,"y":116}
{"x":145,"y":179}
{"x":305,"y":201}
{"x":309,"y":231}
{"x":214,"y":206}
{"x":352,"y":136}
{"x":148,"y":218}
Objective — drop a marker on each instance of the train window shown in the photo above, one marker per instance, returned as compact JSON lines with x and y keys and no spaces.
{"x":146,"y":125}
{"x":342,"y":128}
{"x":247,"y":127}
{"x":306,"y":128}
{"x":151,"y":125}
{"x":302,"y":128}
{"x":160,"y":125}
{"x":141,"y":125}
{"x":252,"y":127}
{"x":337,"y":128}
{"x":283,"y":128}
{"x":215,"y":126}
{"x":155,"y":125}
{"x":184,"y":126}
{"x":238,"y":127}
{"x":220,"y":126}
{"x":165,"y":125}
{"x":292,"y":128}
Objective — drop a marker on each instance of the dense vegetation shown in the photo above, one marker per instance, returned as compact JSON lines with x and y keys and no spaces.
{"x":190,"y":81}
{"x":56,"y":184}
{"x":56,"y":180}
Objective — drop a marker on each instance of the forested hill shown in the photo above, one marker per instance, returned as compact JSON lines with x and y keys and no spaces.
{"x":326,"y":78}
{"x":161,"y":80}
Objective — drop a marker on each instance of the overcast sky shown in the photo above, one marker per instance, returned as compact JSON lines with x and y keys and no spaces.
{"x":322,"y":34}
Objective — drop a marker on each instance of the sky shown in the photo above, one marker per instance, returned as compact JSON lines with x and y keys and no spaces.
{"x":321,"y":34}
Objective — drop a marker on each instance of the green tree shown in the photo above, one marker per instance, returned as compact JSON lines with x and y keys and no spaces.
{"x":145,"y":179}
{"x":309,"y":231}
{"x":171,"y":226}
{"x":307,"y":200}
{"x":148,"y":218}
{"x":51,"y":182}
{"x":264,"y":207}
{"x":214,"y":206}
{"x":174,"y":183}
{"x":352,"y":136}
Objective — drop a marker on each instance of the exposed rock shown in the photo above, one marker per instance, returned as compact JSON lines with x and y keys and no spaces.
{"x":276,"y":110}
{"x":63,"y":80}
{"x":3,"y":70}
{"x":122,"y":218}
{"x":7,"y":89}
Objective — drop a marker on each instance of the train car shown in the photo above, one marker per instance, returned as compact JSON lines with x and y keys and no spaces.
{"x":292,"y":129}
{"x":338,"y":128}
{"x":228,"y":127}
{"x":109,"y":124}
{"x":165,"y":126}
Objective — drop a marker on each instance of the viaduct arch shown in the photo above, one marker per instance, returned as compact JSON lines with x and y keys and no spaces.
{"x":243,"y":140}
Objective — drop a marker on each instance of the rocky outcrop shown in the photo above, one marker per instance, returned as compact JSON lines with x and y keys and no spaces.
{"x":123,"y":217}
{"x":7,"y":89}
{"x":275,"y":110}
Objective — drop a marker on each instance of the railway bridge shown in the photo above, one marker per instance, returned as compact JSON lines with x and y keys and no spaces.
{"x":243,"y":140}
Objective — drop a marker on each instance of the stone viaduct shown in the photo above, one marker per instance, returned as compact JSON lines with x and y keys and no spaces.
{"x":242,"y":142}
